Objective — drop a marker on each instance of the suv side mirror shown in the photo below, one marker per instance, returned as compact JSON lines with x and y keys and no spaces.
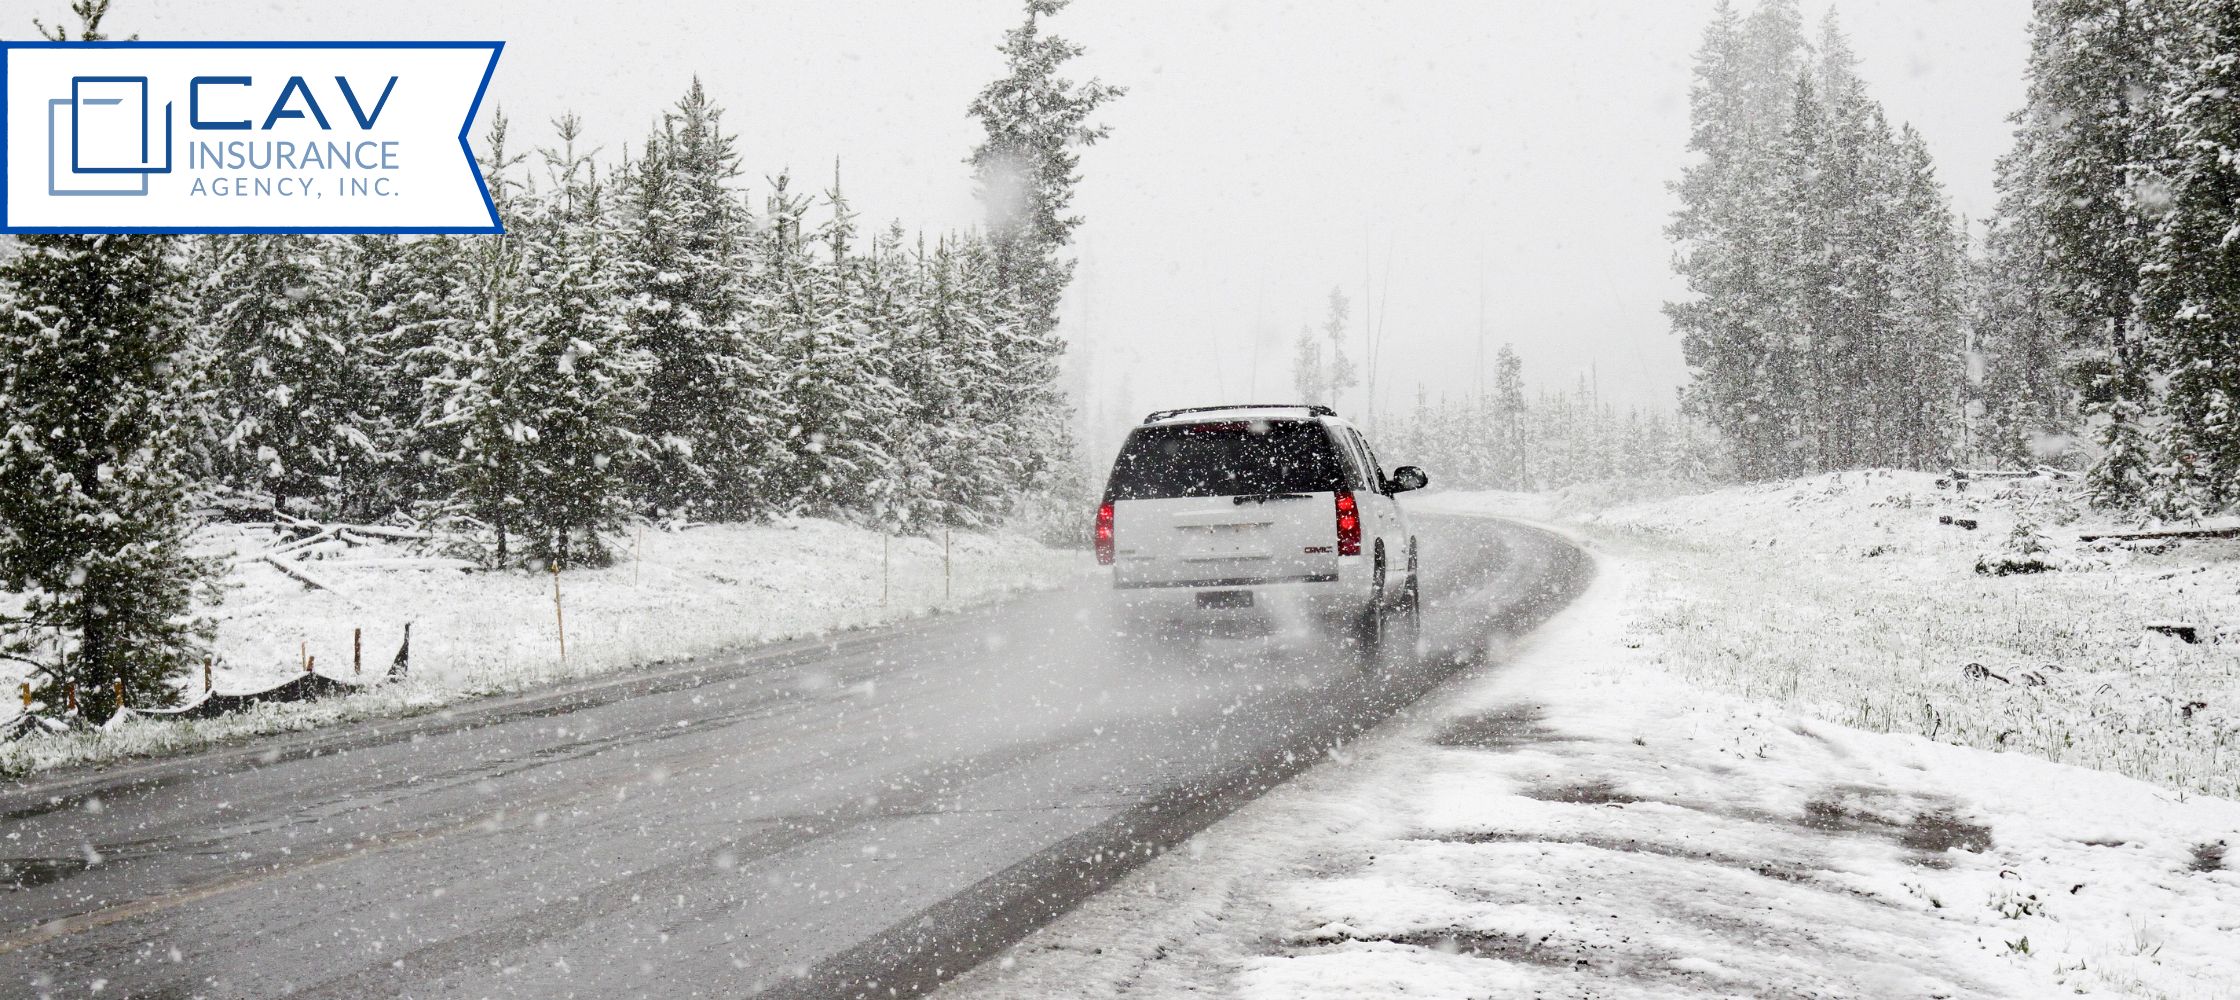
{"x":1405,"y":478}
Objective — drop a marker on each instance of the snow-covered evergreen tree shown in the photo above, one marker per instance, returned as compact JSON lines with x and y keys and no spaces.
{"x":687,"y":237}
{"x":834,"y":391}
{"x":407,"y":299}
{"x":2192,"y":278}
{"x":583,"y":377}
{"x":2084,"y":146}
{"x":925,"y":430}
{"x":1824,"y":265}
{"x":967,"y":317}
{"x":1741,"y":102}
{"x":297,"y":390}
{"x":1343,"y":373}
{"x":1310,"y":375}
{"x":1511,"y":463}
{"x":540,"y":382}
{"x":2028,"y":409}
{"x":1922,"y":384}
{"x":95,"y":376}
{"x":1035,"y":122}
{"x":469,"y":394}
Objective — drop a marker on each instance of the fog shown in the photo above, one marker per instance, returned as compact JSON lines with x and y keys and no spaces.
{"x":1509,"y":153}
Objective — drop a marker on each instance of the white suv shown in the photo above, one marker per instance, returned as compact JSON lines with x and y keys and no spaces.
{"x":1262,"y":513}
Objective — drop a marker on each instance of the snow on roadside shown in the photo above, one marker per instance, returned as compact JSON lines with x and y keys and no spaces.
{"x":671,"y":596}
{"x":1577,"y":822}
{"x":1848,"y":598}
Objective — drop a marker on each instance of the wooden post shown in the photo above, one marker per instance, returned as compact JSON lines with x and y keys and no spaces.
{"x":309,"y":662}
{"x":559,"y":617}
{"x":357,"y":652}
{"x":25,"y":691}
{"x":70,"y":695}
{"x":206,"y":675}
{"x":117,"y":685}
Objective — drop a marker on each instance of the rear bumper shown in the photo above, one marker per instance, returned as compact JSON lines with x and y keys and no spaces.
{"x":1230,"y":583}
{"x":1321,"y":596}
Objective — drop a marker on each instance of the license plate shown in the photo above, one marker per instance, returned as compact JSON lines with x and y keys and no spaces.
{"x":1225,"y":599}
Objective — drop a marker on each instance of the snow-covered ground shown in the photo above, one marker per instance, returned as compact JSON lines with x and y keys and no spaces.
{"x":1658,"y":794}
{"x":1846,"y":598}
{"x":671,"y":595}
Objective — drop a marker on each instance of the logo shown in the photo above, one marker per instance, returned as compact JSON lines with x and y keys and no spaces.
{"x":245,"y":137}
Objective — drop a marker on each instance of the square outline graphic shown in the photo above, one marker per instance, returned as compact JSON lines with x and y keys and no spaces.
{"x":77,"y":130}
{"x":53,"y":160}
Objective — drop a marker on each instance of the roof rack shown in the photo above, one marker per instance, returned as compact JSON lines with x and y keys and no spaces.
{"x":1313,"y":408}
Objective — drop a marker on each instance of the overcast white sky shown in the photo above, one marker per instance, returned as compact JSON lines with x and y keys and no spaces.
{"x":1266,"y":151}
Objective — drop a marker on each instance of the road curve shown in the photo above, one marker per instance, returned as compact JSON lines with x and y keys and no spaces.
{"x":867,"y":815}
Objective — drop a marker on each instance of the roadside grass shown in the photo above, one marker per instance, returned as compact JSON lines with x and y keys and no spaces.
{"x":1843,"y":598}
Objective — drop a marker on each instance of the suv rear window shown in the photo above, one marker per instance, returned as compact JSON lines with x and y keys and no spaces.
{"x":1238,"y":458}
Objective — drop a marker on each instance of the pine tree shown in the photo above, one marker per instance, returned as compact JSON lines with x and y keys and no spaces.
{"x":1823,"y":261}
{"x":925,"y":431}
{"x":1343,"y":374}
{"x":407,"y":288}
{"x":2087,"y":131}
{"x":1310,"y":376}
{"x":540,"y":381}
{"x":296,"y":390}
{"x":1026,"y":402}
{"x":94,"y":487}
{"x":471,"y":396}
{"x":1512,"y":459}
{"x":1800,"y":367}
{"x":1741,"y":102}
{"x":582,"y":377}
{"x":1922,"y":380}
{"x":836,"y":392}
{"x":1035,"y":121}
{"x":967,"y":317}
{"x":688,"y":237}
{"x":2028,"y":409}
{"x":2192,"y":278}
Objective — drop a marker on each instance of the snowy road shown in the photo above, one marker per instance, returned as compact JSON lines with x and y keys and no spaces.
{"x":885,"y":809}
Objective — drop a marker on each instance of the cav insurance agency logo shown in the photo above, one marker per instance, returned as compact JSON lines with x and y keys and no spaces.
{"x":242,"y":137}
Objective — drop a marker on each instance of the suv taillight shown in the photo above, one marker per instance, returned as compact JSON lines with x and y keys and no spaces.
{"x":1349,"y":524}
{"x":1104,"y":536}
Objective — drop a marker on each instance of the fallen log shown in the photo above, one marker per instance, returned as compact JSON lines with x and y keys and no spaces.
{"x":300,"y":575}
{"x":2185,"y":632}
{"x":384,"y":531}
{"x":2227,"y":531}
{"x":402,"y":562}
{"x":286,"y":548}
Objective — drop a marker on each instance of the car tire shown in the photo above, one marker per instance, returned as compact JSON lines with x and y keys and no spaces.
{"x":1410,"y":633}
{"x":1372,"y":624}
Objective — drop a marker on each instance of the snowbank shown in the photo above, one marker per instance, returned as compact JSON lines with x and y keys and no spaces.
{"x":1847,"y":597}
{"x":671,"y":595}
{"x":1578,"y":822}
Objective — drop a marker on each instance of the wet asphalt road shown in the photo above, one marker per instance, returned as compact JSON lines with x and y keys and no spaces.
{"x":834,"y":818}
